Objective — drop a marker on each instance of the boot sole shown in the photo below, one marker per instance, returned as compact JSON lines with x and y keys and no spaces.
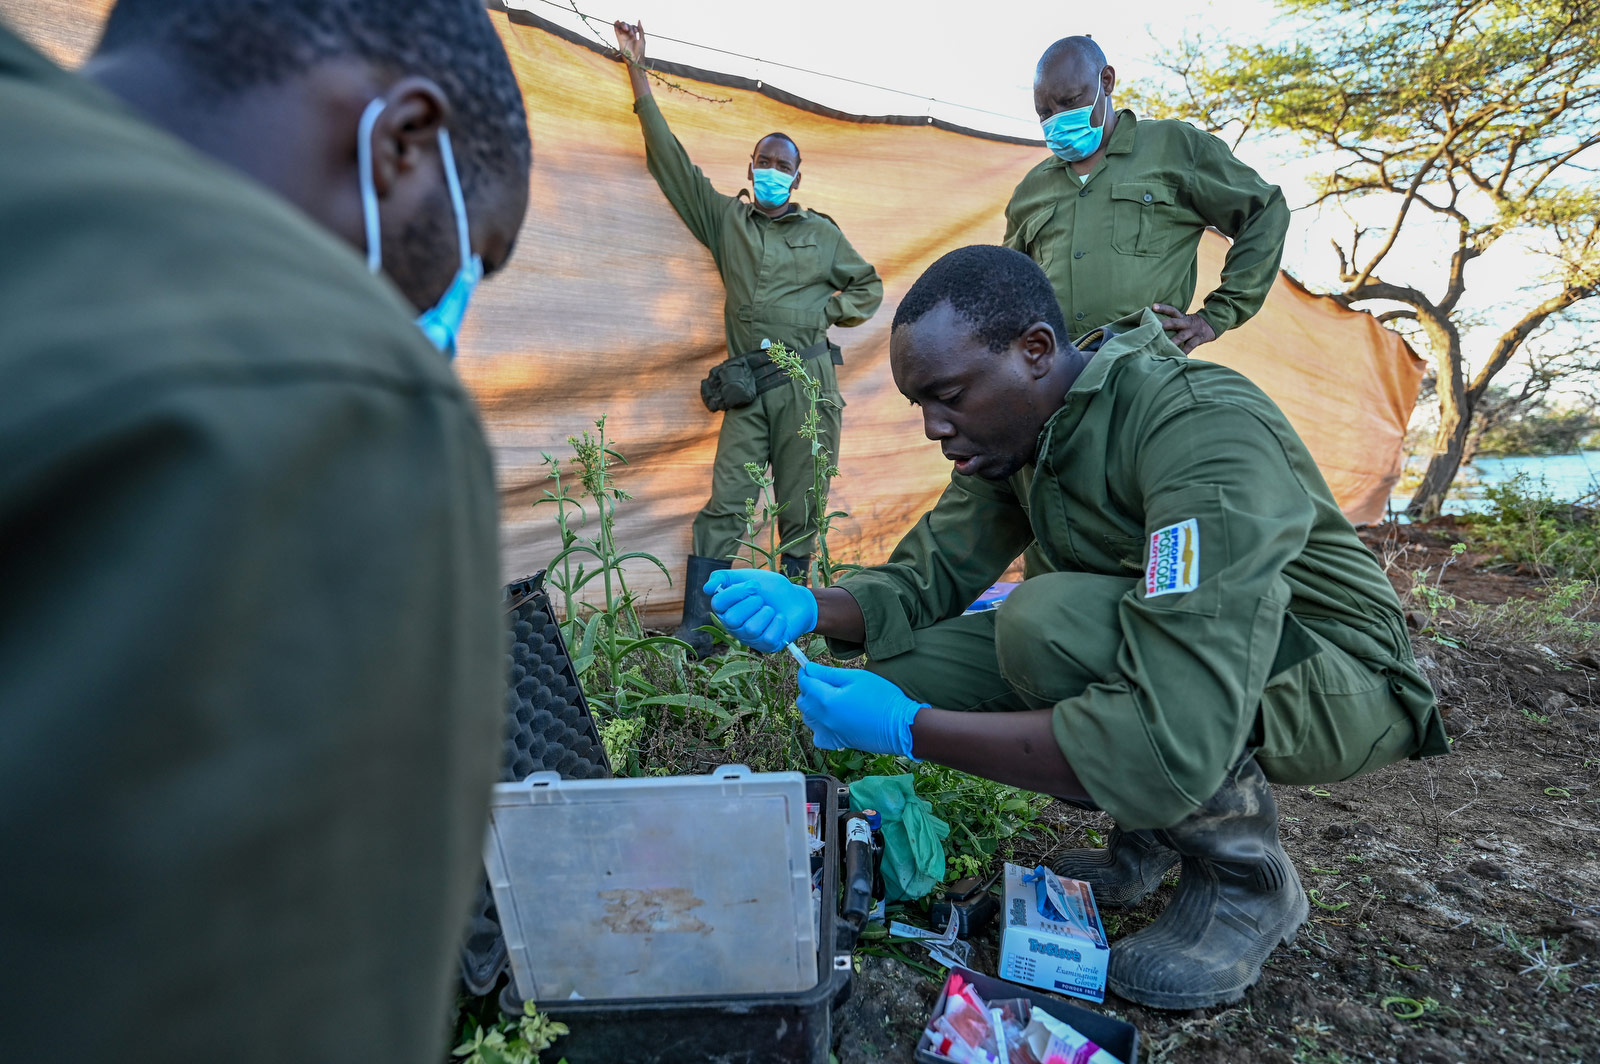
{"x":1284,"y":934}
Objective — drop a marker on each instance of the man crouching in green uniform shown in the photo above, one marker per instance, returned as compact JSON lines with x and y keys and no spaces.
{"x":252,"y":671}
{"x":1213,"y":622}
{"x":788,"y":274}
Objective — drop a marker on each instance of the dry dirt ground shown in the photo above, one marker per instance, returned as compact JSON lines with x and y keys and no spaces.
{"x":1456,"y":901}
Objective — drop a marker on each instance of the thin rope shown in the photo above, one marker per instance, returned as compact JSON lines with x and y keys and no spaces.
{"x":569,"y":9}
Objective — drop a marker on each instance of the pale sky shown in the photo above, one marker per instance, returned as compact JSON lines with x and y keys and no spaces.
{"x":981,"y":55}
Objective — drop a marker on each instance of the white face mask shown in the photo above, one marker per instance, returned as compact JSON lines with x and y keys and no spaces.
{"x":442,"y":322}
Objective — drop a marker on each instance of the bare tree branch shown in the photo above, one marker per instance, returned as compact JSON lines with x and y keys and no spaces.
{"x":1510,"y":341}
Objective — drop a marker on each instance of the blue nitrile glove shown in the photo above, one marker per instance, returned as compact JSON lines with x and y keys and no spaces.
{"x":761,"y":608}
{"x":856,"y":709}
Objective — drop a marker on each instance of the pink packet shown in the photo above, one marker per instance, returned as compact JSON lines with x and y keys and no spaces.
{"x":952,"y":1046}
{"x":968,"y":1017}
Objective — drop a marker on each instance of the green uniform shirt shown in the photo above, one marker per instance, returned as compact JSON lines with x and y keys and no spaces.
{"x":786,"y":278}
{"x":1126,"y":237}
{"x":1146,"y":442}
{"x":252,"y":669}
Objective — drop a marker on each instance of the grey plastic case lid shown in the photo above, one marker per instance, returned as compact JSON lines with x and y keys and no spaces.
{"x":668,"y":887}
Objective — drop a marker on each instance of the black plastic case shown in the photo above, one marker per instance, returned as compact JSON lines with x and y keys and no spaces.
{"x":548,"y":729}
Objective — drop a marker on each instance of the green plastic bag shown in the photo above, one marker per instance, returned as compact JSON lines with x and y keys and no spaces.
{"x":913,"y":838}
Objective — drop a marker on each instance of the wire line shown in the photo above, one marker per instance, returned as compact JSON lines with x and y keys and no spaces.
{"x":571,"y":10}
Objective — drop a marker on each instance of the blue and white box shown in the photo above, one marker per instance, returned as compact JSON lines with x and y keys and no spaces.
{"x":1067,"y":955}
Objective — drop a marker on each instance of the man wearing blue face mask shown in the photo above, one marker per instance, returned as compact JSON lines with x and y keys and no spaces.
{"x":440,"y":323}
{"x":789,"y":274}
{"x":253,"y":667}
{"x":1114,"y":216}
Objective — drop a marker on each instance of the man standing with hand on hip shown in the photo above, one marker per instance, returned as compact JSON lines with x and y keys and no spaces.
{"x":1115,"y":215}
{"x":789,"y":274}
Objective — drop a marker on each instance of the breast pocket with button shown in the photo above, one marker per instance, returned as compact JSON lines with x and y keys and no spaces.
{"x":1033,"y":239}
{"x":805,"y":258}
{"x":1141,"y":215}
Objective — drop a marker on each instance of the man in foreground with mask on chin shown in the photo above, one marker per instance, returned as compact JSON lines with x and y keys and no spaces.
{"x":789,"y":274}
{"x":252,"y":674}
{"x":1115,"y":215}
{"x":1212,"y":623}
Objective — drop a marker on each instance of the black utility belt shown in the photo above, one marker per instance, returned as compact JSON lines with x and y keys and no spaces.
{"x":738,"y":381}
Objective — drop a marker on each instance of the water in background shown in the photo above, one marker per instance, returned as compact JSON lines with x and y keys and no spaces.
{"x":1566,"y":477}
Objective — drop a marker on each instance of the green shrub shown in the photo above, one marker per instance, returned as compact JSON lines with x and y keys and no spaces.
{"x":1526,"y":525}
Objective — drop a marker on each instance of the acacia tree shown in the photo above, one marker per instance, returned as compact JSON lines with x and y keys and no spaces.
{"x":1474,"y":114}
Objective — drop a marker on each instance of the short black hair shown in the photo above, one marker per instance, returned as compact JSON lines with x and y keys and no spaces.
{"x":234,"y":45}
{"x":999,"y":291}
{"x":1083,"y":48}
{"x":783,"y":137}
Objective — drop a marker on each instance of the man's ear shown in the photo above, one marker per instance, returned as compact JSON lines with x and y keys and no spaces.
{"x":1108,"y":79}
{"x":750,"y":171}
{"x":1039,"y":348}
{"x":796,"y":182}
{"x":406,"y":133}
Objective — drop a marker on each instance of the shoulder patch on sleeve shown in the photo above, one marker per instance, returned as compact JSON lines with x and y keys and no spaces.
{"x":1174,"y":564}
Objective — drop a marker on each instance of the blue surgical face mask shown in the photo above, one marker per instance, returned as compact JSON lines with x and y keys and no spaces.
{"x":442,"y":322}
{"x":772,"y":187}
{"x":1069,"y":134}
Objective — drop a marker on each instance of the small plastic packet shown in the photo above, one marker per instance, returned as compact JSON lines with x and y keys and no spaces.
{"x":966,"y":1013}
{"x":952,"y":1045}
{"x":814,"y":827}
{"x":973,"y":1031}
{"x":1010,"y":1016}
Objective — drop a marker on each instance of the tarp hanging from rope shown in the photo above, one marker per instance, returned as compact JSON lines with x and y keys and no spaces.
{"x":611,"y":307}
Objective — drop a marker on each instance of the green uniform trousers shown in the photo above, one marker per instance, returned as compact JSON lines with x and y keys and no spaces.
{"x":767,"y":433}
{"x":1325,"y":718}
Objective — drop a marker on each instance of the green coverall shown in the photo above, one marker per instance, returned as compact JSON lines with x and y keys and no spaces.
{"x":1125,"y":237}
{"x":252,"y":668}
{"x":1277,"y":633}
{"x":786,"y":279}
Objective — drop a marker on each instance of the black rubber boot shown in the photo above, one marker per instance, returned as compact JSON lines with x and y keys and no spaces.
{"x":1238,"y":897}
{"x":796,"y":566}
{"x":697,"y":605}
{"x":1131,"y":866}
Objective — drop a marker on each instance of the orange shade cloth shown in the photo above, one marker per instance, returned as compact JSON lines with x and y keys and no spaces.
{"x":610,"y":307}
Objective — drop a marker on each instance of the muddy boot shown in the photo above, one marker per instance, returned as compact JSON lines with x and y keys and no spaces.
{"x":1238,"y":897}
{"x":796,"y":566}
{"x":1131,"y":866}
{"x":697,"y":605}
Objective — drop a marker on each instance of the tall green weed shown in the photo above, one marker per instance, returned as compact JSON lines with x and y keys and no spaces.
{"x":661,"y":712}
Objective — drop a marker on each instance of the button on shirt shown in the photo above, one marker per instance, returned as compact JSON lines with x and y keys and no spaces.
{"x":1128,"y":237}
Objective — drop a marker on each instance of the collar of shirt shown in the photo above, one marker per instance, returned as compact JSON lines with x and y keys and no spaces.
{"x":1121,"y":142}
{"x":1139,"y":332}
{"x":748,"y":199}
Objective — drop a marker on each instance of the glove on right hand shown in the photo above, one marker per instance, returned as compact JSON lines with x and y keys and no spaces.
{"x":762,"y":609}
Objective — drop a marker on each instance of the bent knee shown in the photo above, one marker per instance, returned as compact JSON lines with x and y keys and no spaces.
{"x":1057,"y":633}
